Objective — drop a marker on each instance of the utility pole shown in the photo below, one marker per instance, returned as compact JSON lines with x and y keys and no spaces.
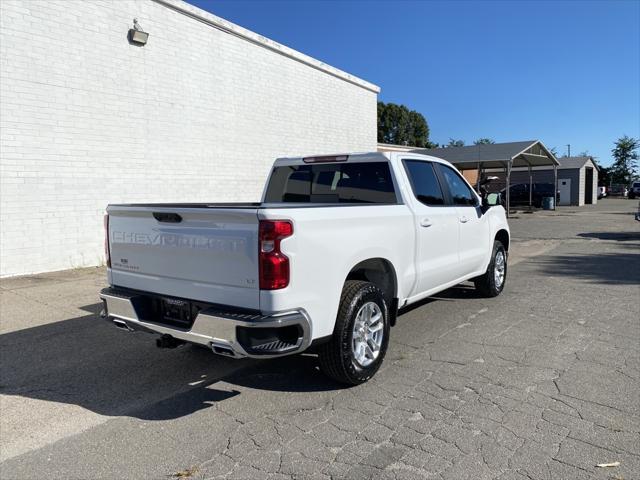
{"x":568,"y":149}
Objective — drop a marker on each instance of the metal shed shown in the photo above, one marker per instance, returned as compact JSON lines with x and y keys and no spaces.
{"x":577,"y":179}
{"x":503,"y":157}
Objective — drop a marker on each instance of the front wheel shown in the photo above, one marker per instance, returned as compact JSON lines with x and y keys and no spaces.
{"x":360,"y":337}
{"x":492,"y":282}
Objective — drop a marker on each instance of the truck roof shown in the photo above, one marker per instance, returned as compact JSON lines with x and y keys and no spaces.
{"x":353,"y":158}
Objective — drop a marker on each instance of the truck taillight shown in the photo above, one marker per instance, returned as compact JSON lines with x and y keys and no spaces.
{"x":274,"y":265}
{"x":107,"y":256}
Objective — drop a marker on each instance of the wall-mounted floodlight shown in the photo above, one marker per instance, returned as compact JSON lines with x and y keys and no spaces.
{"x":137,"y":36}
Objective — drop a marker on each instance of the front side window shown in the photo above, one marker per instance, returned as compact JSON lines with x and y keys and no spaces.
{"x":366,"y":182}
{"x":424,"y":182}
{"x":460,"y":192}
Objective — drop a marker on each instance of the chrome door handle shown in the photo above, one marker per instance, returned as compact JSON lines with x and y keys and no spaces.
{"x":464,"y":219}
{"x":425,"y":222}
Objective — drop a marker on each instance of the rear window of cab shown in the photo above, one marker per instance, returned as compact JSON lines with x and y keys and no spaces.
{"x":366,"y":182}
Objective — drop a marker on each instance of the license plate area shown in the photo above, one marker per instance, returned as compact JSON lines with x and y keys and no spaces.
{"x":172,"y":312}
{"x":175,"y":311}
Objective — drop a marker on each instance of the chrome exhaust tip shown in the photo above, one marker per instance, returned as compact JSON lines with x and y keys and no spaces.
{"x":221,"y":349}
{"x":122,"y":325}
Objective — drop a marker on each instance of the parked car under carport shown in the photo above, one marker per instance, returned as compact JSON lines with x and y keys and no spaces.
{"x":519,"y":194}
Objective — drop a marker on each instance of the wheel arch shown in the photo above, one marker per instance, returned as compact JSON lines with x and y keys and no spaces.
{"x":502,"y":235}
{"x":381,"y":273}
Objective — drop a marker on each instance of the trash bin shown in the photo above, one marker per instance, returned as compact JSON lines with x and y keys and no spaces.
{"x":547,"y":203}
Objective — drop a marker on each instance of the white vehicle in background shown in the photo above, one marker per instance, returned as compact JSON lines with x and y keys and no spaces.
{"x":634,"y":189}
{"x":602,"y":192}
{"x":338,"y":244}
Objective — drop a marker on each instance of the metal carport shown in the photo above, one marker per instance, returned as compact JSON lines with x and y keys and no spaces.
{"x":499,"y":156}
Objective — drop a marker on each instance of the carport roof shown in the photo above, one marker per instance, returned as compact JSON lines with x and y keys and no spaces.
{"x":495,"y":155}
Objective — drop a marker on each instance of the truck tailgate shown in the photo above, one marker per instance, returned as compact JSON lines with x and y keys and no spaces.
{"x":201,"y":253}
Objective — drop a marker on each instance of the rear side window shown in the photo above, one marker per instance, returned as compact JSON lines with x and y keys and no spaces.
{"x":424,"y":182}
{"x":368,"y":182}
{"x":460,"y":192}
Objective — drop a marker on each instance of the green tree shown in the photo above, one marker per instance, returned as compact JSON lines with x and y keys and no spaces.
{"x":604,"y":176}
{"x":604,"y":173}
{"x":400,"y":126}
{"x":484,"y":141}
{"x":455,"y":143}
{"x":625,"y":157}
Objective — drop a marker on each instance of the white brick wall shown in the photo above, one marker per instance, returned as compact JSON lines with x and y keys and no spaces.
{"x":198,"y":114}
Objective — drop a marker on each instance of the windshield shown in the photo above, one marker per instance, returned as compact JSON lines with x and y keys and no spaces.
{"x":367,"y":182}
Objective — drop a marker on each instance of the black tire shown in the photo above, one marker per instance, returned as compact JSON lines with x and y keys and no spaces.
{"x":486,"y":284}
{"x":337,"y":359}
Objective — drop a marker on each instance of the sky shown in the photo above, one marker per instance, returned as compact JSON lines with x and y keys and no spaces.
{"x":563,"y":72}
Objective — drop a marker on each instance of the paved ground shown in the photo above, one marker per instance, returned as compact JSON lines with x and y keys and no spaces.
{"x":540,"y":383}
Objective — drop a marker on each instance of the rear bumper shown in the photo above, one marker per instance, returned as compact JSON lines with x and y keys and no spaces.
{"x":227,"y":333}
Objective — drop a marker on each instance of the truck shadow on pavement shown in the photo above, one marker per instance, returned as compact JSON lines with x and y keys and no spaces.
{"x":86,"y":361}
{"x":459,"y":292}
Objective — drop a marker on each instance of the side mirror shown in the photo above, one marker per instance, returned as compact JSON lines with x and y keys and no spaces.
{"x":490,"y":200}
{"x":493,"y":199}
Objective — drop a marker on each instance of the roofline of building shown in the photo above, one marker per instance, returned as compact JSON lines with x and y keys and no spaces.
{"x":534,"y":142}
{"x":395,"y":147}
{"x":589,"y":158}
{"x":544,"y":167}
{"x":252,"y":37}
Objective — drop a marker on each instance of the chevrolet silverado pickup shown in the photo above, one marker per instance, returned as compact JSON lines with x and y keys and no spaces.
{"x":338,"y":244}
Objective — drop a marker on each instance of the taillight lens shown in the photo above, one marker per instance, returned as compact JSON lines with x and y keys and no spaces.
{"x":107,"y":255}
{"x":274,"y":265}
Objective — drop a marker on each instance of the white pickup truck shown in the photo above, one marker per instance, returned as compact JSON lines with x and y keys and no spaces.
{"x":338,"y":244}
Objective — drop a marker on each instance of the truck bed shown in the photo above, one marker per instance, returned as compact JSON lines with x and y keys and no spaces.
{"x":202,"y":251}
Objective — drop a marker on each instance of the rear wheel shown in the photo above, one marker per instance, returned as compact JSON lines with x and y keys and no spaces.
{"x":492,"y":282}
{"x":361,"y":335}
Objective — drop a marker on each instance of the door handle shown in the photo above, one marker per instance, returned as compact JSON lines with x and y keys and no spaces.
{"x":464,"y":219}
{"x":425,"y":222}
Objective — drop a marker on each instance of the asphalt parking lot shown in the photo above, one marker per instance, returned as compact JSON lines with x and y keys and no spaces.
{"x":539,"y":383}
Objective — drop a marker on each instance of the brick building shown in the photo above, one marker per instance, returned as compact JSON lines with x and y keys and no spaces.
{"x":197,"y":114}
